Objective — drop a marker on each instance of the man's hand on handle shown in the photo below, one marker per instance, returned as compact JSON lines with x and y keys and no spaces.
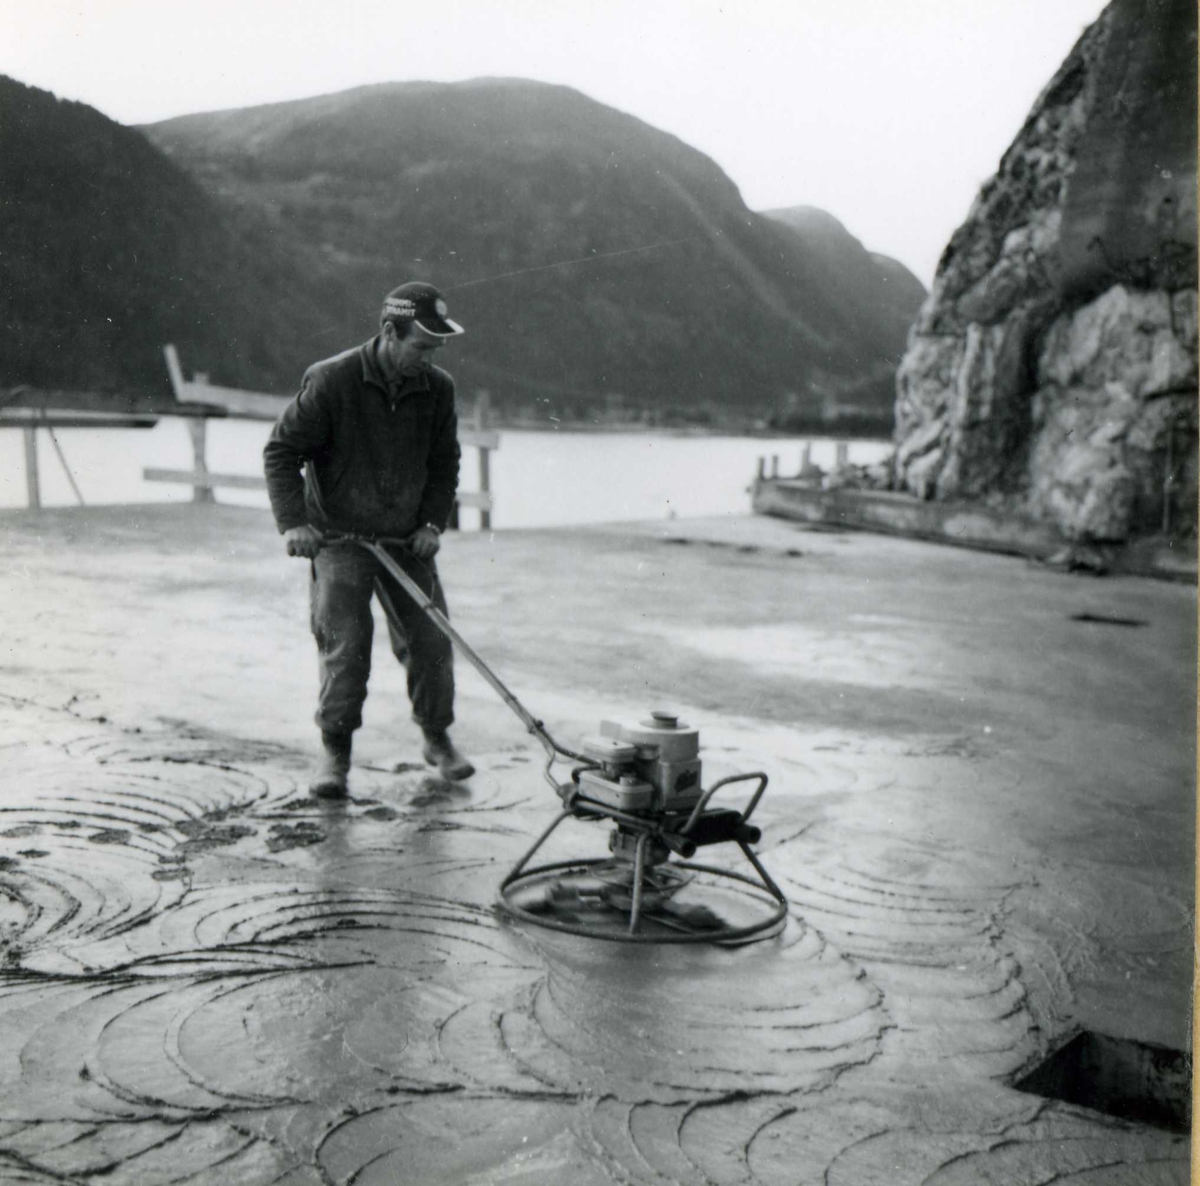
{"x":307,"y":541}
{"x":424,"y":543}
{"x":303,"y":541}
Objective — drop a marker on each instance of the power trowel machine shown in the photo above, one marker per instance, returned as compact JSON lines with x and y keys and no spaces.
{"x":644,"y":778}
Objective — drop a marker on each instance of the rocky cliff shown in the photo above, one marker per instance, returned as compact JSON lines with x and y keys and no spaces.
{"x":1052,"y":369}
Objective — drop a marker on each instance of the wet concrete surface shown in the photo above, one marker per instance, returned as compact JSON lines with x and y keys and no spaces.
{"x":980,"y":808}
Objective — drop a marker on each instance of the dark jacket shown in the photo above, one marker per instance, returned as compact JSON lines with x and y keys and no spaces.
{"x":380,"y":458}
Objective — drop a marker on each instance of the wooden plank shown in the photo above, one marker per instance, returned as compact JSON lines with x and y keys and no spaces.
{"x":466,"y":498}
{"x":174,"y":370}
{"x":205,"y":480}
{"x":261,"y":405}
{"x":255,"y":405}
{"x":56,"y":401}
{"x":480,"y":438}
{"x":249,"y":405}
{"x":36,"y":418}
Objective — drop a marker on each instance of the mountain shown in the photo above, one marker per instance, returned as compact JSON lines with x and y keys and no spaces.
{"x":599,"y":265}
{"x":879,"y":290}
{"x":604,"y":269}
{"x":108,"y":250}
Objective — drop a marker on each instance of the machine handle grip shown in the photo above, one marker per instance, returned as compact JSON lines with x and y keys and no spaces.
{"x":680,"y":845}
{"x":724,"y":782}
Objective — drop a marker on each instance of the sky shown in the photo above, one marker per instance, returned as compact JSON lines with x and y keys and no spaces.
{"x":889,"y":114}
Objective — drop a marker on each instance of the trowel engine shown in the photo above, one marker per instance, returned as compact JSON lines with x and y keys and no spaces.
{"x":650,"y":772}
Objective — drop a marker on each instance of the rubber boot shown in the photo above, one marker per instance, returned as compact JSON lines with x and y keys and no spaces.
{"x":440,"y":752}
{"x":329,"y":779}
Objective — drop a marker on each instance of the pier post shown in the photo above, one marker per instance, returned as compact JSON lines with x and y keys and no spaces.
{"x":198,"y":428}
{"x":774,"y":465}
{"x":482,"y":401}
{"x":175,"y":371}
{"x":31,"y":469}
{"x":843,"y":454}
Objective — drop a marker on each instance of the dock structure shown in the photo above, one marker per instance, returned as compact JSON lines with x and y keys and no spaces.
{"x":33,"y":411}
{"x":823,"y":502}
{"x":198,"y":393}
{"x":196,"y":402}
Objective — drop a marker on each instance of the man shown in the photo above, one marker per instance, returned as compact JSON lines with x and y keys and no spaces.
{"x":375,"y":429}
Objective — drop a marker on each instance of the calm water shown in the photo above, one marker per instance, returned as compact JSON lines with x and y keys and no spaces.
{"x":539,"y":479}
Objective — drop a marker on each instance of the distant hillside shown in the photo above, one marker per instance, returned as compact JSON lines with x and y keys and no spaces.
{"x":881,"y":290}
{"x":108,"y":250}
{"x":685,"y":302}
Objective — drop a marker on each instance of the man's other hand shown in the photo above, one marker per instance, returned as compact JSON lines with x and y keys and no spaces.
{"x":424,"y":543}
{"x":303,"y":541}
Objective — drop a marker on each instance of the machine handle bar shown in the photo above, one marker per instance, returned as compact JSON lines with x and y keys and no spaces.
{"x":435,"y":615}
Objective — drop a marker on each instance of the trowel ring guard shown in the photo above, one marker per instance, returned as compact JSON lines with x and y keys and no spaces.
{"x":646,"y":778}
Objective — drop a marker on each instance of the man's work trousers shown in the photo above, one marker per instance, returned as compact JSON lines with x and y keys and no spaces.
{"x":344,"y":578}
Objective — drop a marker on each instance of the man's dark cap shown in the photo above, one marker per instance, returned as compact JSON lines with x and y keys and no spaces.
{"x":422,"y":303}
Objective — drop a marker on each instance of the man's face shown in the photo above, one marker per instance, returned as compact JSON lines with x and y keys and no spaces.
{"x":410,"y":354}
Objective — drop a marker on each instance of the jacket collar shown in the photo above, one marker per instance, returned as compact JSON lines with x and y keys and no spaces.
{"x":373,"y":373}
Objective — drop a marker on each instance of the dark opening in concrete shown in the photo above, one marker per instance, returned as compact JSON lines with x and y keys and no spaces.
{"x":1108,"y":620}
{"x":1134,"y":1081}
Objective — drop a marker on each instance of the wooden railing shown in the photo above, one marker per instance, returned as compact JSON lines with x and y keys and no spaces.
{"x":30,"y":410}
{"x":807,"y":469}
{"x":197,"y":394}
